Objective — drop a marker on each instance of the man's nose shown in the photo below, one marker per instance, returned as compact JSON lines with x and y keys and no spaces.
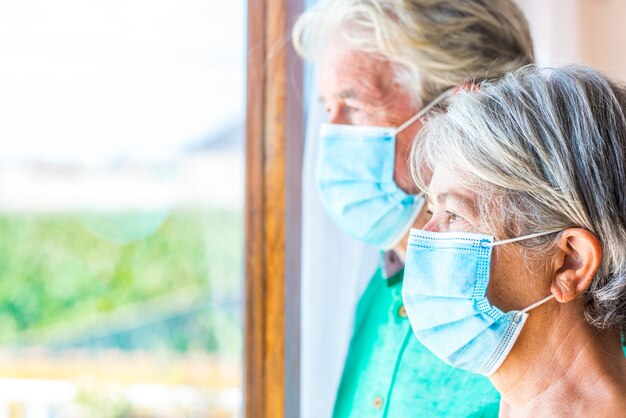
{"x":337,"y":115}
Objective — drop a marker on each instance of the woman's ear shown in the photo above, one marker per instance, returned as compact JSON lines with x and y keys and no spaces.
{"x":576,"y":263}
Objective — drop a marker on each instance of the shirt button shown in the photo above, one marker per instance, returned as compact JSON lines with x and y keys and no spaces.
{"x":402,"y":311}
{"x":378,"y":402}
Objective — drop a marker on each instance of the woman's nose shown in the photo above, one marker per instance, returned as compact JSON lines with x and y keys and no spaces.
{"x":431,"y":225}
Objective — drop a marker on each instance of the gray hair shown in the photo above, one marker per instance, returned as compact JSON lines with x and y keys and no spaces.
{"x":434,"y":44}
{"x":545,"y":149}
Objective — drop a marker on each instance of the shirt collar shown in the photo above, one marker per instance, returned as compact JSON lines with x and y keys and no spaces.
{"x":391,"y":265}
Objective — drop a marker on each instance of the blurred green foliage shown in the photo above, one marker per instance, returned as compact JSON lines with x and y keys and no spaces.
{"x":54,"y":270}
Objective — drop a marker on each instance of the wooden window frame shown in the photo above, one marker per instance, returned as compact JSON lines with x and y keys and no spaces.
{"x":274,"y":147}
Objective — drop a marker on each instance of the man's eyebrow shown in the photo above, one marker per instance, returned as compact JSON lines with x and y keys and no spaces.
{"x":346,"y":94}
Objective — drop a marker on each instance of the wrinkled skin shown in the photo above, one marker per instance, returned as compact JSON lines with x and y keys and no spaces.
{"x":359,"y":88}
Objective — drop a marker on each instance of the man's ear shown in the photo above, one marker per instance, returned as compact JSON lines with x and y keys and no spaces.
{"x":579,"y":255}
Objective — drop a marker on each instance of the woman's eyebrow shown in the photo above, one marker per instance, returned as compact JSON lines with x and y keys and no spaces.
{"x":442,"y":197}
{"x":464,"y":200}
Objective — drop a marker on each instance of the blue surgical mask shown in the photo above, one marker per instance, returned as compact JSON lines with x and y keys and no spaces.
{"x":444,"y":293}
{"x":355,"y":182}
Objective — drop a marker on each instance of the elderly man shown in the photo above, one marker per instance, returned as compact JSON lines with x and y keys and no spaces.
{"x":382,"y":65}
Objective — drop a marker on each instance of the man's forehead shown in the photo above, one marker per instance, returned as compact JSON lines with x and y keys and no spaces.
{"x":347,"y":71}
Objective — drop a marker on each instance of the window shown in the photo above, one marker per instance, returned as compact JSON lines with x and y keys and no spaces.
{"x":121,"y":208}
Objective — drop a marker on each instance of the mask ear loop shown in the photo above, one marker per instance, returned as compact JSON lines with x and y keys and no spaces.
{"x":535,"y":235}
{"x":426,"y":109}
{"x":533,"y":306}
{"x":507,"y":241}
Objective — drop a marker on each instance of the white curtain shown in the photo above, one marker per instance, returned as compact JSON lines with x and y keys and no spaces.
{"x":335,"y":271}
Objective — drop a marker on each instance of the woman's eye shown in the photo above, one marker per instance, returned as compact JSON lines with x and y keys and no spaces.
{"x":453,"y":217}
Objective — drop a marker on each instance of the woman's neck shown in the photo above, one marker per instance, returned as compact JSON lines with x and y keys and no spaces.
{"x":561,"y":366}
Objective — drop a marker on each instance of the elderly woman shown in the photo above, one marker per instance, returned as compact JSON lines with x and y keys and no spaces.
{"x":520,"y":274}
{"x":382,"y":64}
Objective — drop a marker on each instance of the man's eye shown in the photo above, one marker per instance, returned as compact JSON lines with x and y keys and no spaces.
{"x":350,"y":109}
{"x":352,"y":105}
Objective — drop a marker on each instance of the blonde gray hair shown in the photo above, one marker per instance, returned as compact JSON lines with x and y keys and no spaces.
{"x":433,"y":44}
{"x":544,"y":149}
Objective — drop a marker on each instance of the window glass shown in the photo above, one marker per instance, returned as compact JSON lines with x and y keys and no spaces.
{"x":121,"y":201}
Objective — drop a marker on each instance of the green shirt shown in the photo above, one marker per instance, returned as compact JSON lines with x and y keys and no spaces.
{"x":388,"y":373}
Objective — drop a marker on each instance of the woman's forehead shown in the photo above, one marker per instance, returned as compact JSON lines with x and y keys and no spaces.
{"x":445,"y":185}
